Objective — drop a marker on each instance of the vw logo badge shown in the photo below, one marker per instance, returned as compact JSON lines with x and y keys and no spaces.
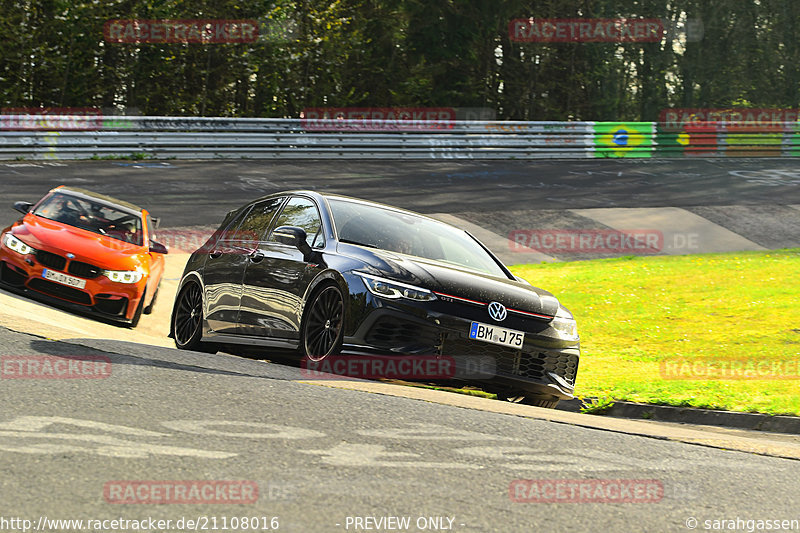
{"x":497,"y":311}
{"x":71,"y":256}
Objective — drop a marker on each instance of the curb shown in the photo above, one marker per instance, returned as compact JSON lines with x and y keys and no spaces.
{"x":689,"y":415}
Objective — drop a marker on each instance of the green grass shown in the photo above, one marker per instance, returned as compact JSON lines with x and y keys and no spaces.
{"x":636,"y":313}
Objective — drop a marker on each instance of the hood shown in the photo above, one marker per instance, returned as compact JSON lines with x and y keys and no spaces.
{"x":454,"y":281}
{"x":99,"y":250}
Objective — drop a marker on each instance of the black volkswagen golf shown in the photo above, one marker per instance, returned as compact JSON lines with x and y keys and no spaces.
{"x":329,"y":276}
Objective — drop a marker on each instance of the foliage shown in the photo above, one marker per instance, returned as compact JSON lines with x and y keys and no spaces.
{"x":596,"y":406}
{"x":383,"y":53}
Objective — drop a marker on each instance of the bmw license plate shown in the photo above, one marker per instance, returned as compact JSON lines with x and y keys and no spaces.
{"x":63,"y":279}
{"x":496,"y":335}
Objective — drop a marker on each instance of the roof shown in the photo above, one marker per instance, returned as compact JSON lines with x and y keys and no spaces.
{"x":333,"y":196}
{"x":89,"y":195}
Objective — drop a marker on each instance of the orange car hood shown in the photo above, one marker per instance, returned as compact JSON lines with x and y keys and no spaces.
{"x":99,"y":250}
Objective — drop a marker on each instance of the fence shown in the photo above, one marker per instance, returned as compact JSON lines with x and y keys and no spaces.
{"x":62,"y":137}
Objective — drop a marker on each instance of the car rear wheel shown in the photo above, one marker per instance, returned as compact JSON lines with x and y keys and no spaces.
{"x":188,"y":320}
{"x":322,"y":329}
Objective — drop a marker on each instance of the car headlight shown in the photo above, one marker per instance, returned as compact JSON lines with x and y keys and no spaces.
{"x":566,"y":328}
{"x":17,"y":245}
{"x":124,"y":276}
{"x":386,"y":288}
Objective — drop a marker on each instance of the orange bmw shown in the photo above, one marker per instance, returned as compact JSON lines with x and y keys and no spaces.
{"x":86,"y":249}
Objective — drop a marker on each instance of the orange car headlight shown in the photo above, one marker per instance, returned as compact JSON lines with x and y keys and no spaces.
{"x":124,"y":276}
{"x":17,"y":245}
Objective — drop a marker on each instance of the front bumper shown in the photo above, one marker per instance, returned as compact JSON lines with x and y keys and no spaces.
{"x":99,"y":296}
{"x":545,"y":366}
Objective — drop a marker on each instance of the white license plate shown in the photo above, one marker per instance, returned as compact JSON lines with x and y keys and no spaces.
{"x":63,"y":279}
{"x":496,"y":335}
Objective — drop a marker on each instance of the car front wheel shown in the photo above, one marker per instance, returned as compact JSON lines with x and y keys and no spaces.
{"x":137,"y":315}
{"x":322,"y":327}
{"x":188,"y":320}
{"x":518,"y":397}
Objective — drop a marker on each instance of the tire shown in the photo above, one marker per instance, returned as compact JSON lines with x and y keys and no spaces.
{"x":518,"y":397}
{"x":138,"y":313}
{"x":539,"y":402}
{"x":187,"y":320}
{"x":149,"y":309}
{"x":513,"y":396}
{"x":322,"y":328}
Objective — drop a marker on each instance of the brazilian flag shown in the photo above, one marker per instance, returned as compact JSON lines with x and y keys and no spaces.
{"x":623,"y":139}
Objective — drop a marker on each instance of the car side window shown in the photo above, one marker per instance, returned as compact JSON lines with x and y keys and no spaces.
{"x":255,"y":225}
{"x":227,"y":230}
{"x":302,"y":213}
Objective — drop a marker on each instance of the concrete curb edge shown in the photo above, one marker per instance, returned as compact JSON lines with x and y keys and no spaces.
{"x":691,"y":415}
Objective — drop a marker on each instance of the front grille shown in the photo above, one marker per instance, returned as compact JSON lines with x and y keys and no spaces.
{"x":60,"y":291}
{"x":51,"y":260}
{"x":388,"y":332}
{"x":84,"y":270}
{"x":516,"y":362}
{"x":561,"y":364}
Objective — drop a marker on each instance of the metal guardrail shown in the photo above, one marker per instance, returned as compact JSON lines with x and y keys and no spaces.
{"x":64,"y":137}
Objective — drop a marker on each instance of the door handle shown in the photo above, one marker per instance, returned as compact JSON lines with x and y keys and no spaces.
{"x":214,"y":254}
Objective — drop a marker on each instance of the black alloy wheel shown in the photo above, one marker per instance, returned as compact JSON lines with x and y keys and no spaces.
{"x":322,"y":330}
{"x":187,"y":322}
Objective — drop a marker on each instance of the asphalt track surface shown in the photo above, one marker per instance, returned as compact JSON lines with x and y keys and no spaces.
{"x":323,"y":451}
{"x":188,"y":193}
{"x":321,"y":454}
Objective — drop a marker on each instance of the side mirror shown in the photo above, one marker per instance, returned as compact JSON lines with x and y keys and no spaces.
{"x":23,"y":207}
{"x":158,"y":248}
{"x":293,"y":236}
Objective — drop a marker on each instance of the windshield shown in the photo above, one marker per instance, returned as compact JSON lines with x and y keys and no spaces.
{"x":406,"y":233}
{"x":92,"y":216}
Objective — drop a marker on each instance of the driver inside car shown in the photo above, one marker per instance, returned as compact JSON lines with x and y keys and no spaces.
{"x":59,"y":210}
{"x":125,"y":231}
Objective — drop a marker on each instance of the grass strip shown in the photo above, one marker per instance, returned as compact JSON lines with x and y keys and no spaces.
{"x":717,"y":331}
